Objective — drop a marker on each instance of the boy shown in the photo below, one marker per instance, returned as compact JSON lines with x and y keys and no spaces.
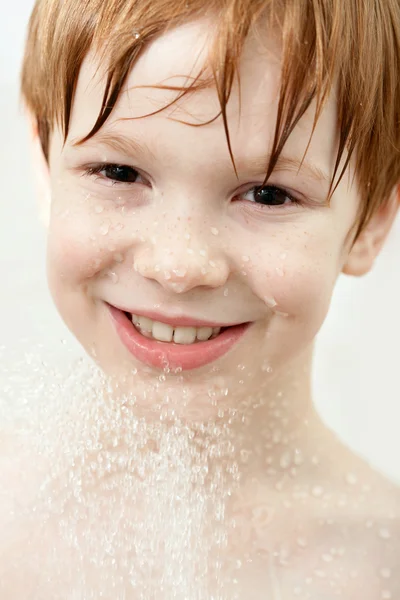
{"x":210,"y":168}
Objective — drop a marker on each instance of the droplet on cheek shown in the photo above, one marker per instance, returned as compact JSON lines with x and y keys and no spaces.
{"x":271,"y":302}
{"x":104,"y":228}
{"x":113,"y":276}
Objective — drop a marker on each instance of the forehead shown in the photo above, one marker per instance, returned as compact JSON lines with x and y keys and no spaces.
{"x":176,"y":59}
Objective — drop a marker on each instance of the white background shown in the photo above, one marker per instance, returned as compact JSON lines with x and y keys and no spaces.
{"x":357,"y":365}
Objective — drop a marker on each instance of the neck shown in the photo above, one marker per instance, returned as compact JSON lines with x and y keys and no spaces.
{"x":271,"y":428}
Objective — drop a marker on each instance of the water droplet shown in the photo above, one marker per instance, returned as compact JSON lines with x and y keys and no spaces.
{"x":317,"y":491}
{"x":104,"y":228}
{"x":297,"y":591}
{"x":319,"y":573}
{"x":384,"y":533}
{"x":351,"y":479}
{"x":136,"y":34}
{"x":283,"y":256}
{"x":327,"y":557}
{"x":187,"y":236}
{"x":245,"y":258}
{"x":226,"y":292}
{"x":118,"y":257}
{"x":271,"y":302}
{"x":385,"y":572}
{"x":298,"y":457}
{"x":280,"y":272}
{"x":99,"y":209}
{"x":214,"y":231}
{"x":386,"y":595}
{"x":180,"y":272}
{"x":212,"y":264}
{"x":301,"y":542}
{"x":119,"y":227}
{"x":203,"y":253}
{"x":285,"y":460}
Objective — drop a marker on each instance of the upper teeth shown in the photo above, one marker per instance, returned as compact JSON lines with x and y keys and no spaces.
{"x":180,"y":335}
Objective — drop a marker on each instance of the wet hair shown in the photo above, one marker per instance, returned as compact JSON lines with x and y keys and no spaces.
{"x":351,"y":46}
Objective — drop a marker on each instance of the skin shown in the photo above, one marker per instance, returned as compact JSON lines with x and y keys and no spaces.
{"x":127,"y":244}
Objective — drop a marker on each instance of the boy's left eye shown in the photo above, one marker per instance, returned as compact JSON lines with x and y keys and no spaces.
{"x":115,"y":173}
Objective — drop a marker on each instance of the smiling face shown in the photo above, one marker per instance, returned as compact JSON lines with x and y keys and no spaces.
{"x":149,"y":216}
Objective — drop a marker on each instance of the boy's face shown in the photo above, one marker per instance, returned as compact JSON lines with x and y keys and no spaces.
{"x":174,"y":231}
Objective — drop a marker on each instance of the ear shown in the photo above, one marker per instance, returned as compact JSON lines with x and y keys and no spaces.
{"x":370,"y":241}
{"x":42,"y":173}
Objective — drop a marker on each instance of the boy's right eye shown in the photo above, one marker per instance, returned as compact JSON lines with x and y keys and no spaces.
{"x":115,"y":173}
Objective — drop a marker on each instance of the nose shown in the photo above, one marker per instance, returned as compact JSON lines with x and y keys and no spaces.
{"x":180,"y":264}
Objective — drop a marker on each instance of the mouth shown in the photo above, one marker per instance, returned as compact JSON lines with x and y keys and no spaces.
{"x":163,"y":345}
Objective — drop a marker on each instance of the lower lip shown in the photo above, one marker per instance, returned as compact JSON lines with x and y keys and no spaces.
{"x":161,"y":354}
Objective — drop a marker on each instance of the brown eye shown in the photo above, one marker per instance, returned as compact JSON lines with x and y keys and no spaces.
{"x":120,"y":173}
{"x":271,"y":196}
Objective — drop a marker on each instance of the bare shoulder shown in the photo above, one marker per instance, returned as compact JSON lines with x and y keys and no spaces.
{"x":370,"y":528}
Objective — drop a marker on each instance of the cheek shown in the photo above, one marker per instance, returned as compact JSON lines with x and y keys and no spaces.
{"x":82,"y":241}
{"x":299,"y":280}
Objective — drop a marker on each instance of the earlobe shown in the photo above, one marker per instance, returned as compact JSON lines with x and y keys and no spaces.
{"x":366,"y":248}
{"x":42,"y":173}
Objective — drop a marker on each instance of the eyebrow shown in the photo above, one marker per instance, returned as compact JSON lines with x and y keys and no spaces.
{"x":130,"y":147}
{"x":285,"y":163}
{"x":119,"y":142}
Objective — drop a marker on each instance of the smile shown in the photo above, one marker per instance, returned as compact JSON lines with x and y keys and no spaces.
{"x":187,"y":346}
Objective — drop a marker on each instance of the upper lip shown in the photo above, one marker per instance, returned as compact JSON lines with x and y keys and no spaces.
{"x":178,"y":320}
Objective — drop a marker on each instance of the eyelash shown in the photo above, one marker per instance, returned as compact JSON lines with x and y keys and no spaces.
{"x":97,"y":169}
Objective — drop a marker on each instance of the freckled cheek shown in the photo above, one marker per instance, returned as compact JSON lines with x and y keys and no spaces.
{"x":301,"y":288}
{"x":78,"y":248}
